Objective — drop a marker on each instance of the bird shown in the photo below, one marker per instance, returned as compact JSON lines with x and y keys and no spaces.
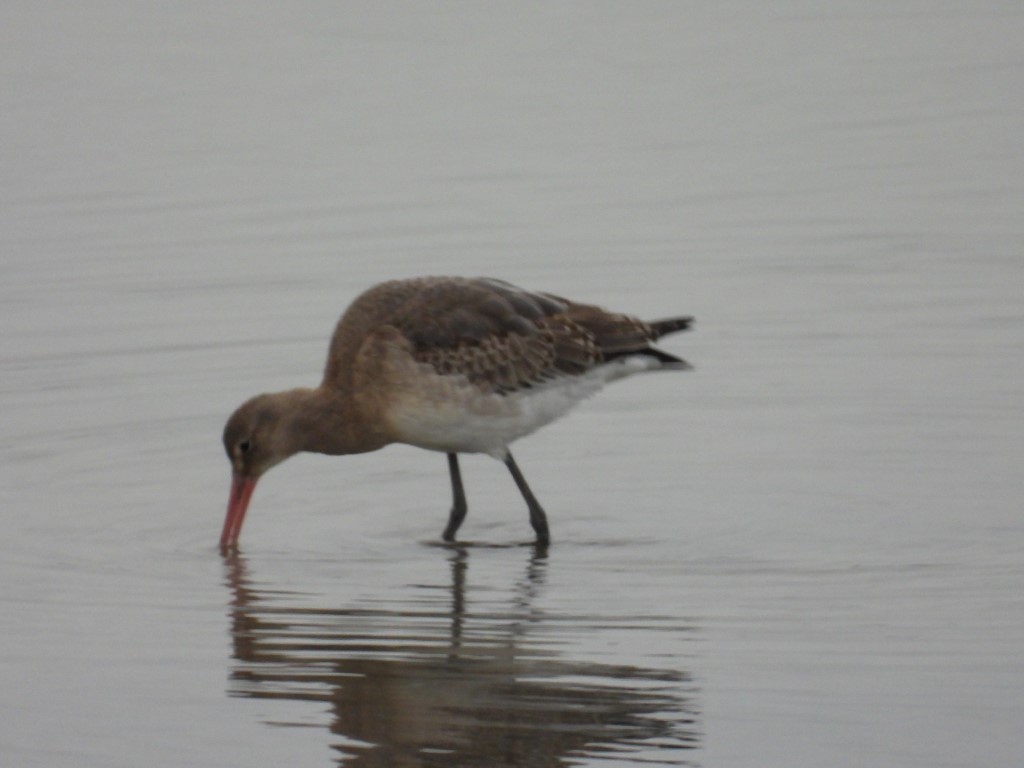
{"x":450,"y":364}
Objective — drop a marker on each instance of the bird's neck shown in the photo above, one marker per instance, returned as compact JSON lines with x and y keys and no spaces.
{"x":328,"y":421}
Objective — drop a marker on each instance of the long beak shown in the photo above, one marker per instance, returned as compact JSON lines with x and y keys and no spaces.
{"x":241,"y":491}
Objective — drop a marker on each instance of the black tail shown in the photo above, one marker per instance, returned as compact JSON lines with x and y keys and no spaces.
{"x":668,"y":361}
{"x":657,"y":329}
{"x":670,"y":325}
{"x":663,"y":328}
{"x":622,"y":335}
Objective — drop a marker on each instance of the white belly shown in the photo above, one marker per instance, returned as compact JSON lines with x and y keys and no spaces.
{"x":446,"y":413}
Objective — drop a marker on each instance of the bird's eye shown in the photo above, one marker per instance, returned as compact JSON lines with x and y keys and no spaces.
{"x":244,"y":446}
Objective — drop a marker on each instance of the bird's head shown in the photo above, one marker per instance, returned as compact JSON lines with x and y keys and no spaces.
{"x":257,"y":436}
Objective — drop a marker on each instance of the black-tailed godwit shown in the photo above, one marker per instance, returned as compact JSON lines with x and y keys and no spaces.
{"x":449,"y":364}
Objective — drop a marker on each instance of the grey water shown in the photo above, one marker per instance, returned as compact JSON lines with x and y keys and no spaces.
{"x":808,"y":551}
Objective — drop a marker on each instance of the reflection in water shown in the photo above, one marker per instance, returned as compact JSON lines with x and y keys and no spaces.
{"x":432,"y":684}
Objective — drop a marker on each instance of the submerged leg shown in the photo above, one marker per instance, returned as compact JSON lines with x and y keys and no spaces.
{"x":458,"y":513}
{"x":538,"y":519}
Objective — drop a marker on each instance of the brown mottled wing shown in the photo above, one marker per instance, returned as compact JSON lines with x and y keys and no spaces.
{"x":504,"y":338}
{"x":487,"y":330}
{"x":497,"y":335}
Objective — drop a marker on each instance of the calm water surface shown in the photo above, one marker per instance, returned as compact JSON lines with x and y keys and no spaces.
{"x":808,"y":552}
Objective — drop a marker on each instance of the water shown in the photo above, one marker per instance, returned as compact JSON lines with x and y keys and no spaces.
{"x":807,"y":552}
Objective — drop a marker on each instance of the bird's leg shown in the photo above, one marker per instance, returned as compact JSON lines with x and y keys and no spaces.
{"x":458,"y":513}
{"x":538,"y":519}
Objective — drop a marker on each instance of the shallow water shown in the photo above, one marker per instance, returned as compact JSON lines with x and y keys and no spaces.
{"x":807,"y":552}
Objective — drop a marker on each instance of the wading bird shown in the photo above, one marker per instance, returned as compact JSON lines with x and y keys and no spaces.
{"x":449,"y":364}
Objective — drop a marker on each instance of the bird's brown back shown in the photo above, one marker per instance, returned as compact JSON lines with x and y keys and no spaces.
{"x":497,"y":335}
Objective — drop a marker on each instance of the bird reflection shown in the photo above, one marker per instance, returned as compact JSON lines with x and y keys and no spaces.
{"x":435,"y":684}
